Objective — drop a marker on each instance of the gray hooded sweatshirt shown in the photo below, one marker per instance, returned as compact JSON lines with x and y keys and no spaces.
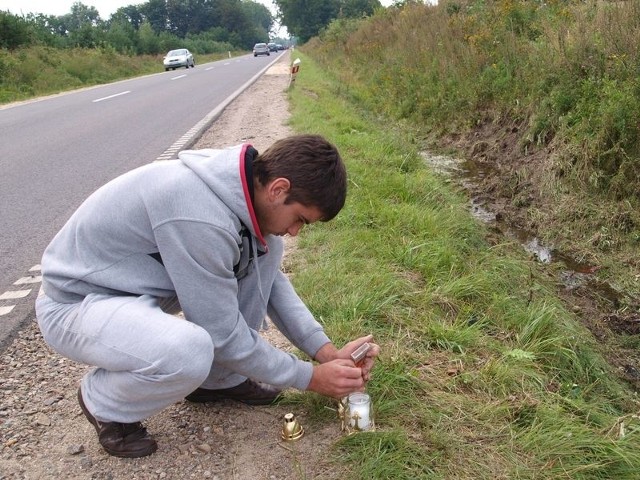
{"x":187,"y":227}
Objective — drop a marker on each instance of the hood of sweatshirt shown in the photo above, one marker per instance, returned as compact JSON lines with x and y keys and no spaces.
{"x":212,"y":166}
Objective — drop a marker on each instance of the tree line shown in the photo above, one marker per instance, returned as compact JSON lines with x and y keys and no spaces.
{"x":153,"y":27}
{"x":204,"y":26}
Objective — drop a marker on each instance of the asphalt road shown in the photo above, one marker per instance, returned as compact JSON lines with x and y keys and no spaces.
{"x":55,"y":151}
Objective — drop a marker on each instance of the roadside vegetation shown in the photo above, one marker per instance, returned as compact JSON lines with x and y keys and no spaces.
{"x":547,"y":93}
{"x":484,"y":373}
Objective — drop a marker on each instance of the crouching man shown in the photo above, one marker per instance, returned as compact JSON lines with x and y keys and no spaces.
{"x":203,"y":233}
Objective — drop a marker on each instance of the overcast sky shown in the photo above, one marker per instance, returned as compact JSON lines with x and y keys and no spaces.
{"x":105,"y":7}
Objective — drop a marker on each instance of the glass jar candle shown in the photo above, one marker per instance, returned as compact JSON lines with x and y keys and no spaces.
{"x":359,"y":411}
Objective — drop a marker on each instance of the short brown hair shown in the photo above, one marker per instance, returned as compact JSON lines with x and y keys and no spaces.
{"x":314,"y":168}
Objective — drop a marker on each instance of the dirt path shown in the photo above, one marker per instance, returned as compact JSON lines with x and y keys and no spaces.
{"x":44,"y":436}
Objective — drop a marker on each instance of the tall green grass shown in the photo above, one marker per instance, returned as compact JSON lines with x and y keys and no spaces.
{"x":561,"y":78}
{"x":483,"y":373}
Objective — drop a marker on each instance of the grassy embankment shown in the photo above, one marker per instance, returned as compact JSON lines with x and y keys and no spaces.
{"x":37,"y":71}
{"x":559,"y":80}
{"x":483,"y":374}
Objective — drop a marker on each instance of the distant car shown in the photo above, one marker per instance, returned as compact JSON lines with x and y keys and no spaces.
{"x":178,"y":58}
{"x":272,"y":47}
{"x":260,"y":49}
{"x":280,"y":47}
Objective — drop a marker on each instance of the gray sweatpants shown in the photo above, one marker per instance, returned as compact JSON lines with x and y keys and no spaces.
{"x":145,"y":359}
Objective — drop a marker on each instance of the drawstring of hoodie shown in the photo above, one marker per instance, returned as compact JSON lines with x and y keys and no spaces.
{"x":254,"y":253}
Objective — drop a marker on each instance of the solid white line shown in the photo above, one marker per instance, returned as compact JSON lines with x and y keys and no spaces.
{"x":15,"y":294}
{"x":111,"y":96}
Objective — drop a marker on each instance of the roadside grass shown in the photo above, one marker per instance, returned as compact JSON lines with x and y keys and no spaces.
{"x":36,"y":71}
{"x":483,"y":373}
{"x":556,"y":80}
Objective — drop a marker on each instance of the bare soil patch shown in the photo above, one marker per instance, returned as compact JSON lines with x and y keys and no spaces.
{"x":43,"y":434}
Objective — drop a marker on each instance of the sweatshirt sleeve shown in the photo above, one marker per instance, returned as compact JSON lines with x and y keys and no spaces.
{"x":292,"y":317}
{"x":199,"y":258}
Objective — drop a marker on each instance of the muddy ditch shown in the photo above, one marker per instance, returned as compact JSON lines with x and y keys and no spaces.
{"x":611,"y":315}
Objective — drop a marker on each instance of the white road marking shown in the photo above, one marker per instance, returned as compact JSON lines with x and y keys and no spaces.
{"x":111,"y":96}
{"x":178,"y":77}
{"x":32,"y":279}
{"x":13,"y":294}
{"x":19,"y":294}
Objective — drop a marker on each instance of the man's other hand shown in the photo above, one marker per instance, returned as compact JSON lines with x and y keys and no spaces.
{"x":336,"y":378}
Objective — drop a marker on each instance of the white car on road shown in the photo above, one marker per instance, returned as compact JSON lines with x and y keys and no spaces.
{"x":178,"y":58}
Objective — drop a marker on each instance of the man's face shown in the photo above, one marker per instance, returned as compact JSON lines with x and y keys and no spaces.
{"x":288,"y":219}
{"x":276,"y":217}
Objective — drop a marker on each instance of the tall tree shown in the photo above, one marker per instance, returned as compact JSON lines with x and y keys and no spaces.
{"x":155,"y":12}
{"x":122,"y":35}
{"x":306,"y":18}
{"x":233,"y":17}
{"x":82,"y":16}
{"x":359,"y":8}
{"x":131,"y":13}
{"x":259,"y":14}
{"x":14,"y":31}
{"x":81,"y":25}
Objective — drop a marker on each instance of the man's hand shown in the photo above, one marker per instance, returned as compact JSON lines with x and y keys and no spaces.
{"x":367,"y":363}
{"x":329,"y":352}
{"x":336,"y":378}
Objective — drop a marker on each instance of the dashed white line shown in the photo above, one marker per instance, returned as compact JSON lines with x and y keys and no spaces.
{"x":111,"y":96}
{"x":13,"y":294}
{"x":25,"y":280}
{"x":17,"y":294}
{"x":178,"y":77}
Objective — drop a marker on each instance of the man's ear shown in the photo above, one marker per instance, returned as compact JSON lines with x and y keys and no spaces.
{"x":279,"y":188}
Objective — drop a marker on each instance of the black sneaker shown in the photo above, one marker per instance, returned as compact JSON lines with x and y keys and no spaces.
{"x":128,"y":440}
{"x":249,"y":392}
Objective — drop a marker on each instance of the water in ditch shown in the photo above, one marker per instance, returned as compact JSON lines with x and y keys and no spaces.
{"x":574,"y":274}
